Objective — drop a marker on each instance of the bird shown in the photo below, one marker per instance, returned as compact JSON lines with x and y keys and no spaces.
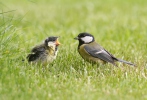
{"x":46,"y":52}
{"x":94,"y":53}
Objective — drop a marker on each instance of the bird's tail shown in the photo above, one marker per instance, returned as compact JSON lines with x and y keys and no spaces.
{"x":126,"y":62}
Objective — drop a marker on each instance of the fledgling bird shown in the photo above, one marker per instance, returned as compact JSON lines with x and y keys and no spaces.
{"x":93,"y":52}
{"x":46,"y":52}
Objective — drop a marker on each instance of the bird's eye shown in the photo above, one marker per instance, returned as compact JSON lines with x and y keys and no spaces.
{"x":83,"y":35}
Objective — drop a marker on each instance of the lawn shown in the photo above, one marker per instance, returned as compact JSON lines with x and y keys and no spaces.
{"x":120,"y":26}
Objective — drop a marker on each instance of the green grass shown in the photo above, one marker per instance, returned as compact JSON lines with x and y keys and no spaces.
{"x":119,"y":26}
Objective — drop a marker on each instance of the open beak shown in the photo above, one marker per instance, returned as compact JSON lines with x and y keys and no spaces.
{"x":76,"y":38}
{"x":57,"y":42}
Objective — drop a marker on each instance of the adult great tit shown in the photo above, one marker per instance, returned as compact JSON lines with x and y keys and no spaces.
{"x":46,"y":52}
{"x":93,"y":52}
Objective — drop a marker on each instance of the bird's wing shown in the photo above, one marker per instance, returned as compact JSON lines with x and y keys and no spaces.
{"x":36,"y":52}
{"x":32,"y":57}
{"x":98,"y":52}
{"x":39,"y":48}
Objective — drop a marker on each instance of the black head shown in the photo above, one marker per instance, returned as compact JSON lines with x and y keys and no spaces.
{"x":52,"y":40}
{"x":85,"y":38}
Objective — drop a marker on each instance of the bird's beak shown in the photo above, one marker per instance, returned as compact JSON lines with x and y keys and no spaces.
{"x":76,"y":38}
{"x":57,"y":42}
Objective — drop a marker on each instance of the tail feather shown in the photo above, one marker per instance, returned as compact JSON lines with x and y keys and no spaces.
{"x":126,"y":62}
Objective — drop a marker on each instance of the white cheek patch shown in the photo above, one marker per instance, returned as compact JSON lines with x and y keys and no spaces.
{"x":51,"y":44}
{"x":87,"y":39}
